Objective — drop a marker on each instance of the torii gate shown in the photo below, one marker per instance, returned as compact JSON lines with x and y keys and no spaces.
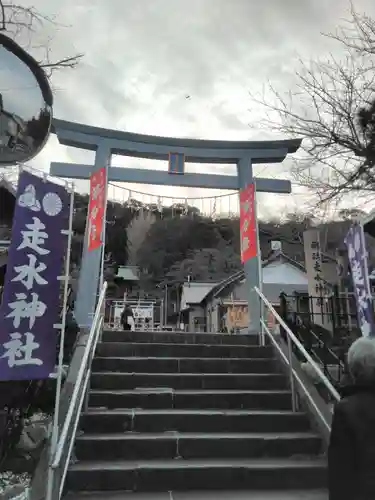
{"x":107,"y":142}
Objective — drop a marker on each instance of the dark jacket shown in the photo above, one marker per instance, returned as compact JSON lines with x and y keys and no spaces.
{"x":351,"y":453}
{"x":128,"y":311}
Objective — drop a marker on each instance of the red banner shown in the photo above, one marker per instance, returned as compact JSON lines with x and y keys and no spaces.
{"x":248,"y":223}
{"x":96,"y":208}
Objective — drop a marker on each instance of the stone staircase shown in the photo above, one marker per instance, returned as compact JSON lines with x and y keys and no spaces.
{"x":179,"y":412}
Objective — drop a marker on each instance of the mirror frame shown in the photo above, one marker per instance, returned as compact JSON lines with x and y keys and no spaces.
{"x":41,"y":79}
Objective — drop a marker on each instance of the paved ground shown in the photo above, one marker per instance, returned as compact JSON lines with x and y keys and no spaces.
{"x":206,"y":495}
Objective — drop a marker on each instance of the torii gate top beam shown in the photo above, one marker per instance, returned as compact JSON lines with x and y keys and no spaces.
{"x":158,"y":148}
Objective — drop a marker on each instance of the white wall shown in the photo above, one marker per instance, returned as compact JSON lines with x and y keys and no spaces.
{"x":284,"y":273}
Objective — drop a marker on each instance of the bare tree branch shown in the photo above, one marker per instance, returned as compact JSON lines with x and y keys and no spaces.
{"x":325,"y":109}
{"x":20,"y":22}
{"x":358,"y":33}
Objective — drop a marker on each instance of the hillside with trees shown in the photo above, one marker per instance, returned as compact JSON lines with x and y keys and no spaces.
{"x":169,"y":244}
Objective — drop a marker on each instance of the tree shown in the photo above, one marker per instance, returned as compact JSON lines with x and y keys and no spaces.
{"x":366,"y":118}
{"x":333,"y":110}
{"x":169,"y":240}
{"x":118,"y":218}
{"x":229,"y":230}
{"x":206,"y":264}
{"x":137,"y":233}
{"x":348,"y":214}
{"x":21,"y":23}
{"x":36,"y":127}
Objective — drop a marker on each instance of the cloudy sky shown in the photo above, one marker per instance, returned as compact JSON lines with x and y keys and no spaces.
{"x":181,"y":68}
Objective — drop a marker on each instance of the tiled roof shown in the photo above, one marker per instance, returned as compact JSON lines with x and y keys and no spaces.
{"x":271,"y":290}
{"x":240,"y":275}
{"x":194,"y":293}
{"x":127,"y":273}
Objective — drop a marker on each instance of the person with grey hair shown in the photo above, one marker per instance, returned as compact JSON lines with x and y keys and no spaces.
{"x":351,"y":453}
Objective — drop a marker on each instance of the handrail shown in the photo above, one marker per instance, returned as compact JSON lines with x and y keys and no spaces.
{"x":339,"y":362}
{"x":79,"y":392}
{"x":76,"y":419}
{"x":307,"y":326}
{"x":321,"y":343}
{"x":296,"y":376}
{"x":301,"y":348}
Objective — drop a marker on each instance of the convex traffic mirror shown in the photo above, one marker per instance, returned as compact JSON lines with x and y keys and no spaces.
{"x":25,"y":104}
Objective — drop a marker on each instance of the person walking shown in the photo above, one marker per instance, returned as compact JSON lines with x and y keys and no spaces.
{"x":351,"y":452}
{"x":127,"y":318}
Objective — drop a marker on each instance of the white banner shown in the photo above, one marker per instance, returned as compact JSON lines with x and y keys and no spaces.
{"x":140,"y":312}
{"x":143,"y":312}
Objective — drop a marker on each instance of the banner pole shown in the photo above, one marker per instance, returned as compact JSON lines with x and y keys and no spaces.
{"x":104,"y":226}
{"x":55,"y":425}
{"x":260,"y":267}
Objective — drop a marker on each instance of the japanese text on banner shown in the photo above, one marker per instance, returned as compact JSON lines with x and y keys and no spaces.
{"x":357,"y":255}
{"x":96,"y":208}
{"x":320,"y":284}
{"x":248,"y":223}
{"x":30,"y":304}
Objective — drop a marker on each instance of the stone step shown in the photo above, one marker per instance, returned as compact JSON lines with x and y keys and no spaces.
{"x":126,"y":349}
{"x":238,"y":381}
{"x":185,"y":365}
{"x":204,"y":495}
{"x":189,"y":399}
{"x":104,"y":421}
{"x":186,"y":446}
{"x":182,"y":475}
{"x":178,"y":338}
{"x":193,"y":381}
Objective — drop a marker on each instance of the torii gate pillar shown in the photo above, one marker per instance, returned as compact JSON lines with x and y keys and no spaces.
{"x":252,"y":266}
{"x":107,"y":142}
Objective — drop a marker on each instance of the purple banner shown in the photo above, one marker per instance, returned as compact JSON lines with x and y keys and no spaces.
{"x":357,"y":255}
{"x":30,"y":305}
